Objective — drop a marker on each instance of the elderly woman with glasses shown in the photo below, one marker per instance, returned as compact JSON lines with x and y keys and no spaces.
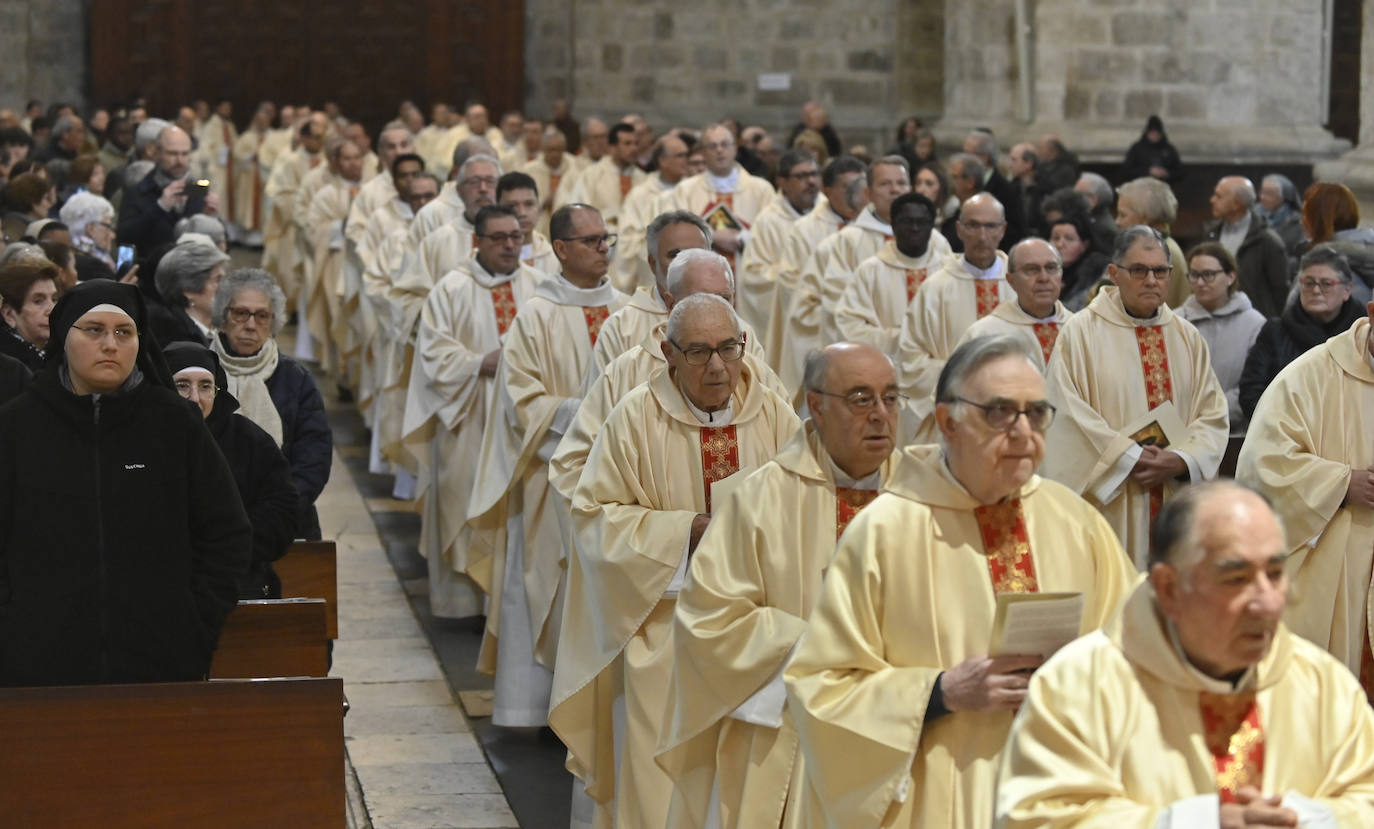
{"x":273,"y":390}
{"x":187,"y":277}
{"x":90,"y":220}
{"x":260,"y":469}
{"x":1225,"y":318}
{"x":122,"y":535}
{"x":1324,"y":309}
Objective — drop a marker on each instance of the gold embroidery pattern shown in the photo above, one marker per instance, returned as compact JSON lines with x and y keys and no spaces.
{"x":1007,"y":545}
{"x":914,"y":278}
{"x":989,"y":296}
{"x":719,"y":456}
{"x":596,"y":317}
{"x":1159,"y":387}
{"x":1231,"y":727}
{"x":503,"y":301}
{"x":1046,"y":333}
{"x":849,"y":503}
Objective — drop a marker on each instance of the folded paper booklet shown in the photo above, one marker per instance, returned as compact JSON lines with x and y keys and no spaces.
{"x":1159,"y":427}
{"x":1035,"y":623}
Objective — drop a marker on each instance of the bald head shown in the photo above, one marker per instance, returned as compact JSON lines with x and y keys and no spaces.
{"x":852,"y":394}
{"x":173,"y":155}
{"x":1233,"y":197}
{"x":982,"y":221}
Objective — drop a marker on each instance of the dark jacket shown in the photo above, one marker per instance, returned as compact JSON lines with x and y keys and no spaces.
{"x":14,"y":378}
{"x":307,"y":441}
{"x":121,"y":535}
{"x":142,"y":221}
{"x":1104,"y":229}
{"x":827,"y":133}
{"x":1063,"y":171}
{"x":1261,"y":264}
{"x":1283,"y":340}
{"x":13,"y":345}
{"x":264,"y":483}
{"x":1080,"y":277}
{"x":1145,"y":154}
{"x":173,"y":325}
{"x":1010,"y":197}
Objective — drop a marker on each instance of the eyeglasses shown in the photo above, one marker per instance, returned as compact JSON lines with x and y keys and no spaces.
{"x":486,"y":181}
{"x":205,"y":388}
{"x":1139,"y":272}
{"x":123,"y":334}
{"x":863,"y":401}
{"x":982,"y":227}
{"x":503,"y":238}
{"x":1034,"y":271}
{"x":1319,"y":285}
{"x":1002,"y":416}
{"x":607,"y":239}
{"x":700,"y":355}
{"x":804,"y":175}
{"x":241,"y":315}
{"x":1205,"y":277}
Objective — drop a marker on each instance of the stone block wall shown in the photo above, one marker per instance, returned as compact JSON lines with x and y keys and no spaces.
{"x":869,"y":61}
{"x":44,"y":44}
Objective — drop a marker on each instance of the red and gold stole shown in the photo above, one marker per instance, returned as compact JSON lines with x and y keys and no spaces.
{"x":719,"y":456}
{"x":596,"y":317}
{"x":914,"y":278}
{"x":849,"y":503}
{"x":554,"y":179}
{"x":627,"y":184}
{"x":315,"y":162}
{"x":989,"y":295}
{"x":1046,"y":333}
{"x":257,"y":184}
{"x":503,"y":302}
{"x":1231,"y":726}
{"x":1007,"y":544}
{"x":1159,"y":387}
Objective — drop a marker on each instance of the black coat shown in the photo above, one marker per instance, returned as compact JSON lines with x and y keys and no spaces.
{"x":1261,"y":265}
{"x":1010,"y":197}
{"x":173,"y":325}
{"x":1283,"y":340}
{"x":1145,"y":154}
{"x":307,"y":441}
{"x":122,"y":537}
{"x":13,"y":345}
{"x":264,"y":483}
{"x":142,"y":221}
{"x":14,"y":378}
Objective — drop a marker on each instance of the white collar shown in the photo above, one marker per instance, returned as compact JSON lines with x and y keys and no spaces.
{"x":869,"y":483}
{"x":993,"y":272}
{"x":868,"y":220}
{"x":724,"y":185}
{"x":1053,"y":317}
{"x":724,"y":417}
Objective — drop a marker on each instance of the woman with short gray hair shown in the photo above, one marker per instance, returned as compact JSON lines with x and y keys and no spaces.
{"x":90,"y":219}
{"x":187,"y":278}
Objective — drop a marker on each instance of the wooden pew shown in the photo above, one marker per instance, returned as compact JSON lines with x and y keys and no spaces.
{"x":205,"y":754}
{"x":271,"y":638}
{"x":310,"y":570}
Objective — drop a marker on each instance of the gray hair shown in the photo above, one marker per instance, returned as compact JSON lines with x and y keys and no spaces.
{"x":20,"y":250}
{"x":1011,"y":254}
{"x":186,"y":268}
{"x":1173,"y":537}
{"x":438,"y":185}
{"x":211,"y":226}
{"x":984,"y":143}
{"x":1151,"y":198}
{"x":972,"y":356}
{"x":476,"y":159}
{"x":852,"y":191}
{"x":237,"y":281}
{"x":1331,"y":258}
{"x":1128,"y":237}
{"x":677,"y":271}
{"x":818,"y":363}
{"x":84,"y":209}
{"x":664,"y":221}
{"x":64,"y":125}
{"x":1101,"y":189}
{"x":888,"y":161}
{"x":972,"y":166}
{"x":147,"y":133}
{"x":698,"y":302}
{"x":468,"y":147}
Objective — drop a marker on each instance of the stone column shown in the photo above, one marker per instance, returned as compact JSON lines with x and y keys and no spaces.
{"x":44,"y":42}
{"x":1356,"y":168}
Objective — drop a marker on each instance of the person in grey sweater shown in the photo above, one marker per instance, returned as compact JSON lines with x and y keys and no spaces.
{"x":1225,"y":318}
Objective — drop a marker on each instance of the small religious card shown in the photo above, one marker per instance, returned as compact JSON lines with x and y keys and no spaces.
{"x":720,"y":217}
{"x":1035,"y":623}
{"x":1160,"y":427}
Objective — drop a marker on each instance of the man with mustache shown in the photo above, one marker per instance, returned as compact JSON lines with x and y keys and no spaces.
{"x":1196,"y":706}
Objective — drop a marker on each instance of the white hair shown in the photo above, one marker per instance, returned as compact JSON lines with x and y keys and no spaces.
{"x":474,"y":159}
{"x":677,"y":271}
{"x":696,"y":303}
{"x":84,"y":209}
{"x":148,"y":132}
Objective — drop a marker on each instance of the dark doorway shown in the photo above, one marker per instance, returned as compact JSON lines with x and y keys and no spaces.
{"x":1347,"y":24}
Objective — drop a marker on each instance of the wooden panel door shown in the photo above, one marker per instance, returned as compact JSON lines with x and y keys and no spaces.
{"x":367,"y":56}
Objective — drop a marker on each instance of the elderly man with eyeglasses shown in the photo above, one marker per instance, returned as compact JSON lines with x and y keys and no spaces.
{"x":644,"y":499}
{"x":965,"y":288}
{"x":1143,"y":412}
{"x":1036,"y":274}
{"x":901,"y":709}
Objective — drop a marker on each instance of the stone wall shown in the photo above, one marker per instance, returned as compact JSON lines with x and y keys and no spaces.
{"x":869,"y":61}
{"x":44,"y":44}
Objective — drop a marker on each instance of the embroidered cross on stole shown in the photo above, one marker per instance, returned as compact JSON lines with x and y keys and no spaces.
{"x":989,"y":296}
{"x":596,"y":317}
{"x":1231,"y":727}
{"x":1007,"y":544}
{"x":1159,"y":386}
{"x":849,"y":503}
{"x":719,"y":456}
{"x":914,"y":278}
{"x":503,"y":302}
{"x":1046,"y":333}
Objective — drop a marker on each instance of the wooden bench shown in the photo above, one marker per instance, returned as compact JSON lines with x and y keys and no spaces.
{"x":310,"y":570}
{"x":272,"y":638}
{"x":205,"y":754}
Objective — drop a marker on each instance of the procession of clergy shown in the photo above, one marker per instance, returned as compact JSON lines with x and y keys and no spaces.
{"x":734,"y":616}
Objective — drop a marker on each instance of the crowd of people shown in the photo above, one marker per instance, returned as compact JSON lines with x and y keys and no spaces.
{"x":750,"y":451}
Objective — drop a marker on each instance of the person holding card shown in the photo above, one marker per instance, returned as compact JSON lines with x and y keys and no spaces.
{"x":1142,"y":413}
{"x":640,"y":507}
{"x":901,"y":711}
{"x":1196,"y":706}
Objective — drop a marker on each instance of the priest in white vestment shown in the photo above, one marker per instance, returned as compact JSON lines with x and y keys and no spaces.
{"x":605,"y":184}
{"x":449,"y":244}
{"x":1196,"y":706}
{"x":729,"y":744}
{"x":449,"y":205}
{"x":549,"y":171}
{"x":798,"y":185}
{"x":280,"y":255}
{"x":324,"y":222}
{"x":630,"y":269}
{"x":899,"y":691}
{"x":1142,"y":412}
{"x":217,"y":136}
{"x":538,"y":386}
{"x":638,"y":516}
{"x":520,"y":192}
{"x":248,"y":175}
{"x":1309,"y":449}
{"x":1035,"y":273}
{"x":394,"y":141}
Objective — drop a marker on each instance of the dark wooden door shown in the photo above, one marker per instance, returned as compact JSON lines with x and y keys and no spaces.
{"x":367,"y":56}
{"x":1347,"y":18}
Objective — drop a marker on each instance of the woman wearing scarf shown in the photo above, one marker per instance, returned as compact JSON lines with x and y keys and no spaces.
{"x":260,"y":469}
{"x":1281,"y":206}
{"x":273,"y":390}
{"x":122,"y":537}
